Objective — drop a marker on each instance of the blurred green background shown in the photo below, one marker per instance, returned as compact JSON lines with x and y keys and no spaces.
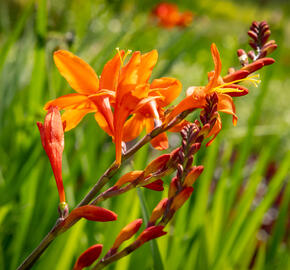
{"x":238,"y":215}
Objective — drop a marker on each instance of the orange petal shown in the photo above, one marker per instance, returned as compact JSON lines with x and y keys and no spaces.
{"x":128,"y":177}
{"x":103,"y":123}
{"x":69,"y":101}
{"x":160,"y":142}
{"x":179,"y":126}
{"x":189,"y":102}
{"x":226,"y":105}
{"x":217,"y":67}
{"x":148,"y":61}
{"x":133,"y":127}
{"x":104,"y":108}
{"x":73,"y":117}
{"x":120,"y":116}
{"x":215,"y":130}
{"x":129,"y":75}
{"x":110,"y":75}
{"x":80,"y":75}
{"x":168,"y":88}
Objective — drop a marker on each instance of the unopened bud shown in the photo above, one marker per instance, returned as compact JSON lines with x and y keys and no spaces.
{"x":157,"y":164}
{"x":192,"y":176}
{"x":181,"y":198}
{"x":129,"y":178}
{"x":243,"y":58}
{"x":252,"y":55}
{"x":127,"y":232}
{"x":173,"y":187}
{"x":158,"y":211}
{"x":151,"y":233}
{"x":88,"y":257}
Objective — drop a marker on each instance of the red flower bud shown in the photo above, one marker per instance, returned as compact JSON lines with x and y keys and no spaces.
{"x":88,"y":257}
{"x":151,"y":233}
{"x":127,"y":232}
{"x":158,"y":211}
{"x":156,"y":185}
{"x":237,"y":75}
{"x":52,"y":138}
{"x":89,"y":212}
{"x":181,"y":198}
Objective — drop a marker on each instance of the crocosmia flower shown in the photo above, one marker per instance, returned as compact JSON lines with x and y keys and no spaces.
{"x":169,"y":16}
{"x":196,"y":96}
{"x":52,"y":138}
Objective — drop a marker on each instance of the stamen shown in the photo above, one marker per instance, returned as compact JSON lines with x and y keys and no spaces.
{"x":123,"y":58}
{"x":222,"y":89}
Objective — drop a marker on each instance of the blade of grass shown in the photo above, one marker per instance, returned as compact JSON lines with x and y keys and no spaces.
{"x":16,"y":32}
{"x":254,"y":221}
{"x":280,"y":226}
{"x":244,"y":204}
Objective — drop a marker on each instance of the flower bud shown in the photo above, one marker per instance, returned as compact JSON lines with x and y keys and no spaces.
{"x":237,"y":75}
{"x":156,"y":185}
{"x":128,"y":178}
{"x":89,"y":212}
{"x":157,"y":165}
{"x":88,"y":257}
{"x":192,"y":176}
{"x":181,"y":198}
{"x":52,"y":138}
{"x":151,"y":233}
{"x":173,"y":187}
{"x":127,"y":232}
{"x":158,"y":211}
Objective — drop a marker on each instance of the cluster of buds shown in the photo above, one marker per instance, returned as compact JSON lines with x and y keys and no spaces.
{"x":259,"y":34}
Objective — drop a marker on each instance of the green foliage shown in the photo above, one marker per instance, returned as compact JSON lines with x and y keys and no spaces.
{"x":220,"y":227}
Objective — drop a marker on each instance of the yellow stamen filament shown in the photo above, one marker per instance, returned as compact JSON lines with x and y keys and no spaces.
{"x":123,"y":58}
{"x":222,"y":89}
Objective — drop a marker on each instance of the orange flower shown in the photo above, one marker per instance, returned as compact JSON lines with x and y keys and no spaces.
{"x":196,"y":96}
{"x":52,"y":138}
{"x":93,"y":94}
{"x":169,"y":15}
{"x":137,"y":97}
{"x":151,"y":114}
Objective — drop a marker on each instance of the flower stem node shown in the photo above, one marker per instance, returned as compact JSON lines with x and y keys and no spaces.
{"x":63,"y":210}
